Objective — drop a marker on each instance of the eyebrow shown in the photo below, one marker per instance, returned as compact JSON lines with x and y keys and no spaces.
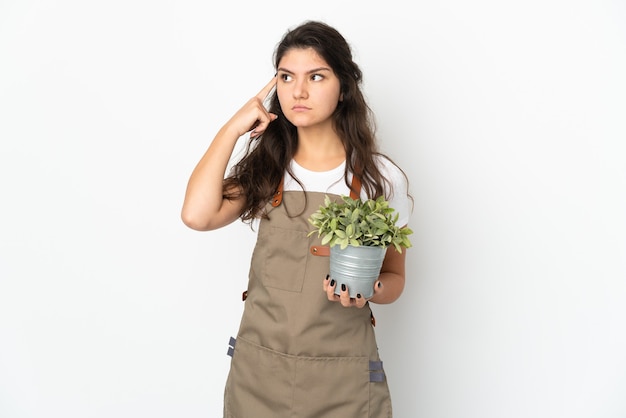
{"x":315,"y":70}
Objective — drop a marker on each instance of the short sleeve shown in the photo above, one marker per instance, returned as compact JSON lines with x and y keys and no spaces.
{"x":398,"y":196}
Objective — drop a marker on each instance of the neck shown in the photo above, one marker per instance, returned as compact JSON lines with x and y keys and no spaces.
{"x":319,"y":151}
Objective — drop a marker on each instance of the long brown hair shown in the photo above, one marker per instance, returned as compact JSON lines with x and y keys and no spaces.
{"x":257,"y":175}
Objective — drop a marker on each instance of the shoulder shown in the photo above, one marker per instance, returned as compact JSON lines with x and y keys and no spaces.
{"x":396,"y":187}
{"x":392,"y":173}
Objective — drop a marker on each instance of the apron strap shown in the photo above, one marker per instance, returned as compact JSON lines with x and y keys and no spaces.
{"x":231,"y":346}
{"x":377,"y":374}
{"x":355,"y":189}
{"x":321,"y":250}
{"x":278,"y":195}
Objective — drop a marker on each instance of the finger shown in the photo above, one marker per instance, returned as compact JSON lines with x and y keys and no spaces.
{"x":267,"y":89}
{"x":378,"y":288}
{"x":261,"y":124}
{"x":326,"y":283}
{"x":344,"y":297}
{"x":360,"y":301}
{"x":330,"y":290}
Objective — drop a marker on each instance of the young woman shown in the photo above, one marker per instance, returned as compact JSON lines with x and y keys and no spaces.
{"x":301,"y":350}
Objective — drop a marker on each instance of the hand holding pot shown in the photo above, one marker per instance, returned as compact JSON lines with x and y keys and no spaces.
{"x":343,"y":297}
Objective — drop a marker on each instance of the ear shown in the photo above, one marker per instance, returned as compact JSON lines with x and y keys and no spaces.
{"x":341,"y":97}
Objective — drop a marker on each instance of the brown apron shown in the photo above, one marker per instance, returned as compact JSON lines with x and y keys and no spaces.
{"x":298,"y":355}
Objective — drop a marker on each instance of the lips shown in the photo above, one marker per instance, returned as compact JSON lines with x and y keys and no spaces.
{"x":300,"y":108}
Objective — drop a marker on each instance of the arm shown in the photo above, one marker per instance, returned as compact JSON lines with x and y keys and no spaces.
{"x":204,"y":207}
{"x":391,"y":280}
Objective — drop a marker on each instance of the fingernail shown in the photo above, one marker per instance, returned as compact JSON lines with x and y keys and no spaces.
{"x":343,"y":287}
{"x":327,"y":276}
{"x":332,"y":282}
{"x":358,"y":296}
{"x":380,"y":285}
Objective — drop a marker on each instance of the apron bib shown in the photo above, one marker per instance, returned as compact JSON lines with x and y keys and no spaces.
{"x":298,"y":355}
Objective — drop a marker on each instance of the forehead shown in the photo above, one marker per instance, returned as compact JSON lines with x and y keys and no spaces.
{"x":301,"y":59}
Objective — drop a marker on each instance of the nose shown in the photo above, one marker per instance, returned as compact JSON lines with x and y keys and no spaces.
{"x":300,"y":89}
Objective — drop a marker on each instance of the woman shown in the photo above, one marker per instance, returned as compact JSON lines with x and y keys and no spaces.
{"x":301,"y":350}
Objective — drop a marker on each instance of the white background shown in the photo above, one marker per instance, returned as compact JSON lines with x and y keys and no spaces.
{"x":508,"y":117}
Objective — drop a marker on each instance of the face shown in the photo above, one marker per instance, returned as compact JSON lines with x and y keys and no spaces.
{"x":307,"y":88}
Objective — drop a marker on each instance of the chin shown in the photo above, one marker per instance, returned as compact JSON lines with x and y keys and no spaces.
{"x":299,"y":121}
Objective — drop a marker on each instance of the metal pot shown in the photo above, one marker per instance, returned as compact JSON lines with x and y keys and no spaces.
{"x":356,"y":267}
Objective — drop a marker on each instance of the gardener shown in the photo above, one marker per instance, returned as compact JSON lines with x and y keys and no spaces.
{"x":301,"y":350}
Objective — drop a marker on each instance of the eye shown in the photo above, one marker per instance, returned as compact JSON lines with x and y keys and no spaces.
{"x":285,"y":77}
{"x":317,"y":77}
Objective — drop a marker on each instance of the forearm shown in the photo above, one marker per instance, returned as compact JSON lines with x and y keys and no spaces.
{"x":392,"y":277}
{"x":391,"y":287}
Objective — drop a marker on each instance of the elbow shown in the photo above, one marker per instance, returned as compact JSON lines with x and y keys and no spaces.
{"x":194,"y":221}
{"x":201,"y":221}
{"x":207,"y":218}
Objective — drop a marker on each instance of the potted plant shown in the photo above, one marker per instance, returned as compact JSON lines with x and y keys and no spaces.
{"x":358,"y":234}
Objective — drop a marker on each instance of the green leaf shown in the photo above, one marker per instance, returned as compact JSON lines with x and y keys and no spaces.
{"x":326,"y":239}
{"x":348,"y":221}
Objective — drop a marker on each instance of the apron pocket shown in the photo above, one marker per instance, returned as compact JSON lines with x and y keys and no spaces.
{"x":286,"y":252}
{"x":260,"y":383}
{"x":332,"y":387}
{"x":263,"y":383}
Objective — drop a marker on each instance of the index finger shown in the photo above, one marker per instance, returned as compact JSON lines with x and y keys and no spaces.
{"x":267,"y":89}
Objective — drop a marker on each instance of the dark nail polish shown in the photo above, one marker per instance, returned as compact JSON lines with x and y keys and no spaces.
{"x":380,"y":285}
{"x":343,"y":287}
{"x":358,"y":296}
{"x":332,"y":282}
{"x":327,"y":276}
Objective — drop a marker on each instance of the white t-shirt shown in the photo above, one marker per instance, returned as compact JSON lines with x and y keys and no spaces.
{"x":332,"y":182}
